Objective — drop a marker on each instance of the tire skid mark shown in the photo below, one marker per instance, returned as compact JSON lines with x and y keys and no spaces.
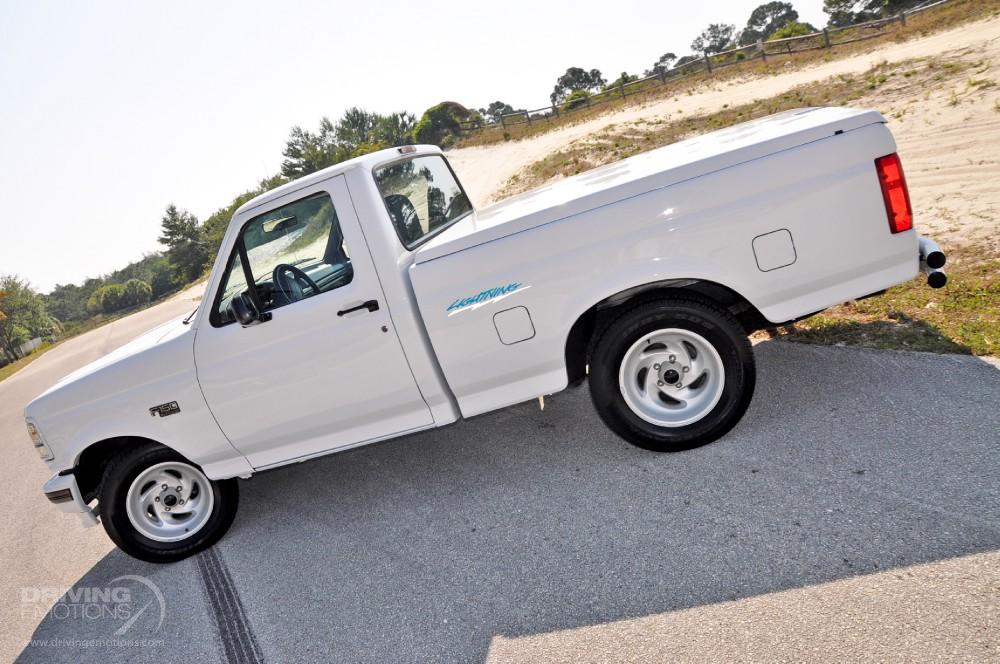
{"x":238,"y":641}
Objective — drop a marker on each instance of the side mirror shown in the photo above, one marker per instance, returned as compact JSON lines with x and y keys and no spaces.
{"x":242,"y":309}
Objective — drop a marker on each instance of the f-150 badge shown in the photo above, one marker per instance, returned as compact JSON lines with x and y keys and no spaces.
{"x":485,"y":297}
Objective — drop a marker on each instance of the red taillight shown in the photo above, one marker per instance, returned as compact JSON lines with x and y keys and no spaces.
{"x":897,"y":198}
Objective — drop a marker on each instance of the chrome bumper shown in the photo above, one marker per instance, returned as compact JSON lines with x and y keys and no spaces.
{"x":64,"y":493}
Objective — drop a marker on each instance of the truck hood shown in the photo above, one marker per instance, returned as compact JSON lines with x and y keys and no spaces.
{"x":646,"y":172}
{"x":140,"y":344}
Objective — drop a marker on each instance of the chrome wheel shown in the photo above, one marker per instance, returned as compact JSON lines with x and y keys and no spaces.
{"x":671,"y":377}
{"x":169,"y":501}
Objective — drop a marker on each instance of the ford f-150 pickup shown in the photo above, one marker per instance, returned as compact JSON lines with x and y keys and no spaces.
{"x":370,"y":300}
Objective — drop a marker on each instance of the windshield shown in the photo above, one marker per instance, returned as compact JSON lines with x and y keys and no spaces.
{"x":422,"y":196}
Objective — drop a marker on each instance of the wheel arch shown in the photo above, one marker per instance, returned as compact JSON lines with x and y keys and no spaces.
{"x":93,"y":459}
{"x":580,"y":337}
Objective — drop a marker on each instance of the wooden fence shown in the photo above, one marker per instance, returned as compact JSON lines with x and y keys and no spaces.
{"x":762,"y":50}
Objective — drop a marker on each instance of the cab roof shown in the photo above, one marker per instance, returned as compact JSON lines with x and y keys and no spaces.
{"x":366,"y":161}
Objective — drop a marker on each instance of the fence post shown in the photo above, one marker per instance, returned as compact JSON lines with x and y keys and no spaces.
{"x":663,"y":77}
{"x":503,"y":121}
{"x":555,"y":110}
{"x":826,"y":38}
{"x":902,"y":18}
{"x":527,"y":116}
{"x":760,"y":45}
{"x":621,"y":88}
{"x":708,"y":63}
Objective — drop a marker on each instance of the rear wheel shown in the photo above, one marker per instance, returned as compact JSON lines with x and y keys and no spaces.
{"x":159,"y":507}
{"x":671,"y":375}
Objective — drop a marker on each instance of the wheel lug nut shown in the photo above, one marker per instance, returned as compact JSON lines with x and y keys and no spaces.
{"x":680,"y":385}
{"x":164,"y":486}
{"x":672,"y":358}
{"x":157,"y":499}
{"x":180,"y":502}
{"x":178,"y":487}
{"x":686,"y":369}
{"x":167,"y":508}
{"x":656,"y":367}
{"x":659,"y":383}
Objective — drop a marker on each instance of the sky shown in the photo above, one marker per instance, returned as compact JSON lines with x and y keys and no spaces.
{"x":110,"y":111}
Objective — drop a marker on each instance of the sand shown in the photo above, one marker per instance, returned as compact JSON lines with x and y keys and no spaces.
{"x":949,"y":136}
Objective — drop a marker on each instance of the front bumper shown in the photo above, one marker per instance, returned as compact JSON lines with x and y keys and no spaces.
{"x":64,"y":493}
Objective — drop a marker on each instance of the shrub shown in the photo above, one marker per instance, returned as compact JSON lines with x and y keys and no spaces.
{"x":441,"y":124}
{"x":792,"y":29}
{"x":575,"y":99}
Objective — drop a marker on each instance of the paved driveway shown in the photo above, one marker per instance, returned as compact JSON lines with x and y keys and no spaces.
{"x":855,"y":512}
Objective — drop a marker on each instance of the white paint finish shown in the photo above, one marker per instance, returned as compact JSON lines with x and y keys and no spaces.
{"x":111,"y":398}
{"x":774,"y":250}
{"x":648,"y":171}
{"x":513,"y":325}
{"x":308,"y":380}
{"x":825,"y":192}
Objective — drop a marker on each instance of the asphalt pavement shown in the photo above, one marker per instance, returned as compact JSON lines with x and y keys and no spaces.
{"x":853,"y":514}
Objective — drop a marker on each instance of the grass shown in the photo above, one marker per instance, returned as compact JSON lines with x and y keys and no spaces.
{"x":963,"y":317}
{"x":9,"y":370}
{"x":920,"y":25}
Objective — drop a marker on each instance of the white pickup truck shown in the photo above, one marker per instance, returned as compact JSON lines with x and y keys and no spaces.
{"x":370,"y":300}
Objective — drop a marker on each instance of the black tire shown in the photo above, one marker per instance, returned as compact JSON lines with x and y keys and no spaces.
{"x":118,"y":477}
{"x":714,"y":324}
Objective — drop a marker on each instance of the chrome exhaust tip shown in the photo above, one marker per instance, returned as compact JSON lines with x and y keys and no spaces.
{"x":932,"y":259}
{"x":930,"y":253}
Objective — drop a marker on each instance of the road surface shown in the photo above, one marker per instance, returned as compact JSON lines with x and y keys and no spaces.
{"x":853,"y":514}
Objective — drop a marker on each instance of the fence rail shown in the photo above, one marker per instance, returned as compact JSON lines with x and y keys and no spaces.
{"x":762,"y":50}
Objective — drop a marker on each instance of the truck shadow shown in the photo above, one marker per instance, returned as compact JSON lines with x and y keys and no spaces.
{"x":525,"y":521}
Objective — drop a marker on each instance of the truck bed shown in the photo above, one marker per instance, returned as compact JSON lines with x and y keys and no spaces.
{"x":646,"y":172}
{"x":786,"y":213}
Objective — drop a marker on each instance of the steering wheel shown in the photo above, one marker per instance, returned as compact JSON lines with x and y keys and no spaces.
{"x":292,"y":282}
{"x":405,"y":215}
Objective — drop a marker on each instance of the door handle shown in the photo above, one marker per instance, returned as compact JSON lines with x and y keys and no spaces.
{"x":370,"y":305}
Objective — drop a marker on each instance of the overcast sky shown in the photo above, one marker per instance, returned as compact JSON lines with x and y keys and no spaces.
{"x":110,"y":111}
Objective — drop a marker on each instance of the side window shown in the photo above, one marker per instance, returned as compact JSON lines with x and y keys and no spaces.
{"x":422,"y":196}
{"x":293,"y":252}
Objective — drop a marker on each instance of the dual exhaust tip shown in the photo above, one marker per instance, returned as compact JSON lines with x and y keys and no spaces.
{"x":932,"y":259}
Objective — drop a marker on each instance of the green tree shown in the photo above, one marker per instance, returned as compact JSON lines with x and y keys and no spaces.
{"x":395,"y":129}
{"x":22,"y":314}
{"x":186,"y":249}
{"x":767,"y":19}
{"x":576,"y":78}
{"x":67,"y":302}
{"x":848,"y":12}
{"x":714,"y":39}
{"x":661,"y":65}
{"x":624,"y":79}
{"x":496,"y":110}
{"x":307,"y":152}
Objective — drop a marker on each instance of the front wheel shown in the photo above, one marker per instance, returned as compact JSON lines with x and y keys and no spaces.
{"x":671,"y":375}
{"x":159,"y":507}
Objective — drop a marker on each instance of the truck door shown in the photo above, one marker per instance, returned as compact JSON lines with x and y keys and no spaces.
{"x":326,"y":371}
